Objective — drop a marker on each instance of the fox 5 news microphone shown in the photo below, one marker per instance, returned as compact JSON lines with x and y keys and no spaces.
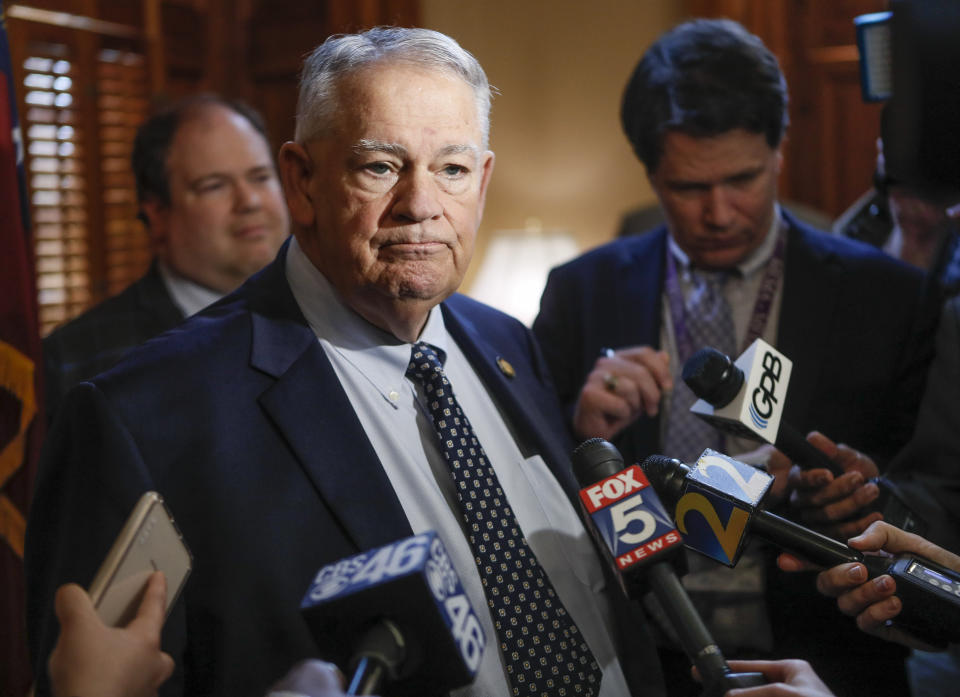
{"x":396,"y":613}
{"x":746,"y":398}
{"x":637,"y":538}
{"x":717,"y":502}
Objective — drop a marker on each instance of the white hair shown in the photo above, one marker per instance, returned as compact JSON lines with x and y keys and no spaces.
{"x":341,"y":54}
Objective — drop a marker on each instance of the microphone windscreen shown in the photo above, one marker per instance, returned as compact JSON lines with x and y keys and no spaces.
{"x":712,"y":376}
{"x":595,"y":459}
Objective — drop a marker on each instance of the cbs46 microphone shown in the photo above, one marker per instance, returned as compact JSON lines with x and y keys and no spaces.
{"x":746,"y":398}
{"x":717,"y":506}
{"x":399,"y":614}
{"x":637,"y":539}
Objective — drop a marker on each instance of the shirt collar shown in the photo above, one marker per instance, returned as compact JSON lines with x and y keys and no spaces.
{"x":753,"y":263}
{"x":190,"y":297}
{"x":380,"y":356}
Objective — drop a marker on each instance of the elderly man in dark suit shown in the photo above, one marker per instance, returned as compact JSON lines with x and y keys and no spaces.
{"x":210,"y":197}
{"x":296,"y":422}
{"x":706,"y":110}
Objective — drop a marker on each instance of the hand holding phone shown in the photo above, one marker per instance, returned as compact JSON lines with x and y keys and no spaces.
{"x":148,"y":542}
{"x":93,"y":659}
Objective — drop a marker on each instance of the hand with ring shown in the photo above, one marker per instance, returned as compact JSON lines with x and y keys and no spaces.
{"x":610,"y":382}
{"x":624,"y":385}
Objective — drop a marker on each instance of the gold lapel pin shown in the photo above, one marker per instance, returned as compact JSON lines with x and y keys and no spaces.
{"x":505,"y":367}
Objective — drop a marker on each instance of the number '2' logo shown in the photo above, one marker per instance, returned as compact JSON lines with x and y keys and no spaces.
{"x":717,"y":539}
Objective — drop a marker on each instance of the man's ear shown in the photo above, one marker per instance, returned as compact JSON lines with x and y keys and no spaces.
{"x":296,"y":173}
{"x":157,"y":217}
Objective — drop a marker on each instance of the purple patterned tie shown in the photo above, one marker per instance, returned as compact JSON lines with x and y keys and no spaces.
{"x":543,"y":650}
{"x":708,"y":321}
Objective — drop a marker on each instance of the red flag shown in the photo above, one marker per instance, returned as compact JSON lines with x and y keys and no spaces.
{"x":20,"y":429}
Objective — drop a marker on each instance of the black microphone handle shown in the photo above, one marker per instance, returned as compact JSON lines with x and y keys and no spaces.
{"x":380,"y":655}
{"x":694,"y":636}
{"x":795,"y":446}
{"x":808,"y":543}
{"x":691,"y":631}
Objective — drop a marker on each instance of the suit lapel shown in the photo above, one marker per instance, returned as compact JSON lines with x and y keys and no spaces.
{"x":638,"y":295}
{"x":640,"y":279}
{"x":810,"y":287}
{"x":520,"y":397}
{"x":314,"y":414}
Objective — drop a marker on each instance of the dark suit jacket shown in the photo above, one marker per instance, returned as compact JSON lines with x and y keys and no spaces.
{"x":237,"y":418}
{"x":97,"y":339}
{"x":927,"y":471}
{"x":858,"y":327}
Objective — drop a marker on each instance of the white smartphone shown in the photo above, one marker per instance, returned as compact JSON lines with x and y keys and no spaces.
{"x":148,"y":542}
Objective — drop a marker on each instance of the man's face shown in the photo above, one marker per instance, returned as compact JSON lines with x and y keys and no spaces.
{"x":395,"y":190}
{"x":226,"y":218}
{"x":717,"y":194}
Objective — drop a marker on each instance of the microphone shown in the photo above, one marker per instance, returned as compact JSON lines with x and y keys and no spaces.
{"x":746,"y":399}
{"x":717,"y":502}
{"x":399,"y":614}
{"x":637,"y":539}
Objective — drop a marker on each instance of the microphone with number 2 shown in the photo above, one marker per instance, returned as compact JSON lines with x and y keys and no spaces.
{"x":637,"y":538}
{"x":399,"y":614}
{"x":717,"y":502}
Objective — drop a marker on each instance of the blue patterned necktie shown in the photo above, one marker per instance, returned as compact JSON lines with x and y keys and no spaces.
{"x":708,"y":321}
{"x":543,"y":650}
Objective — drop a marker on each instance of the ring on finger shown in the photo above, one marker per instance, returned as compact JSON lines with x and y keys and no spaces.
{"x":610,"y":382}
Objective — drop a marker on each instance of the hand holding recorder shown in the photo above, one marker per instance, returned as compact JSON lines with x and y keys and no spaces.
{"x":872,"y":599}
{"x":718,"y":506}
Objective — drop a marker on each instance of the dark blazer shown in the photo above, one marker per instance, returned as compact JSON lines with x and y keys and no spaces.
{"x":97,"y":339}
{"x":858,"y":327}
{"x":237,"y":418}
{"x":927,"y":470}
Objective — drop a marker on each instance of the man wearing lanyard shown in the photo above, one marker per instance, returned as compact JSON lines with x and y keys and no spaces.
{"x":706,"y":111}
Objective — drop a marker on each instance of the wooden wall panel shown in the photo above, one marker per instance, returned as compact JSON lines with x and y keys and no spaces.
{"x":830,"y":151}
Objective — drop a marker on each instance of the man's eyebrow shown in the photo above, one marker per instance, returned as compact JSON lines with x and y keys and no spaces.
{"x":366,"y":145}
{"x":458,"y":149}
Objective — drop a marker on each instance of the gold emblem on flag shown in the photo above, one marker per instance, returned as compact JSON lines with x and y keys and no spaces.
{"x":16,"y":377}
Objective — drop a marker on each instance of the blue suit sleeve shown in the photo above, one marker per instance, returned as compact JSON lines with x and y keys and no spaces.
{"x":90,"y":476}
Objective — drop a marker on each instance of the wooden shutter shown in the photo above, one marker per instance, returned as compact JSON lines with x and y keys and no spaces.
{"x":121,"y":108}
{"x":83,"y":94}
{"x":57,"y":182}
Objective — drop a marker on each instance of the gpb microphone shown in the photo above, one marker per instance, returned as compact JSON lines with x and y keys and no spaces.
{"x":746,"y":399}
{"x":717,"y":502}
{"x":637,"y":538}
{"x":396,"y":613}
